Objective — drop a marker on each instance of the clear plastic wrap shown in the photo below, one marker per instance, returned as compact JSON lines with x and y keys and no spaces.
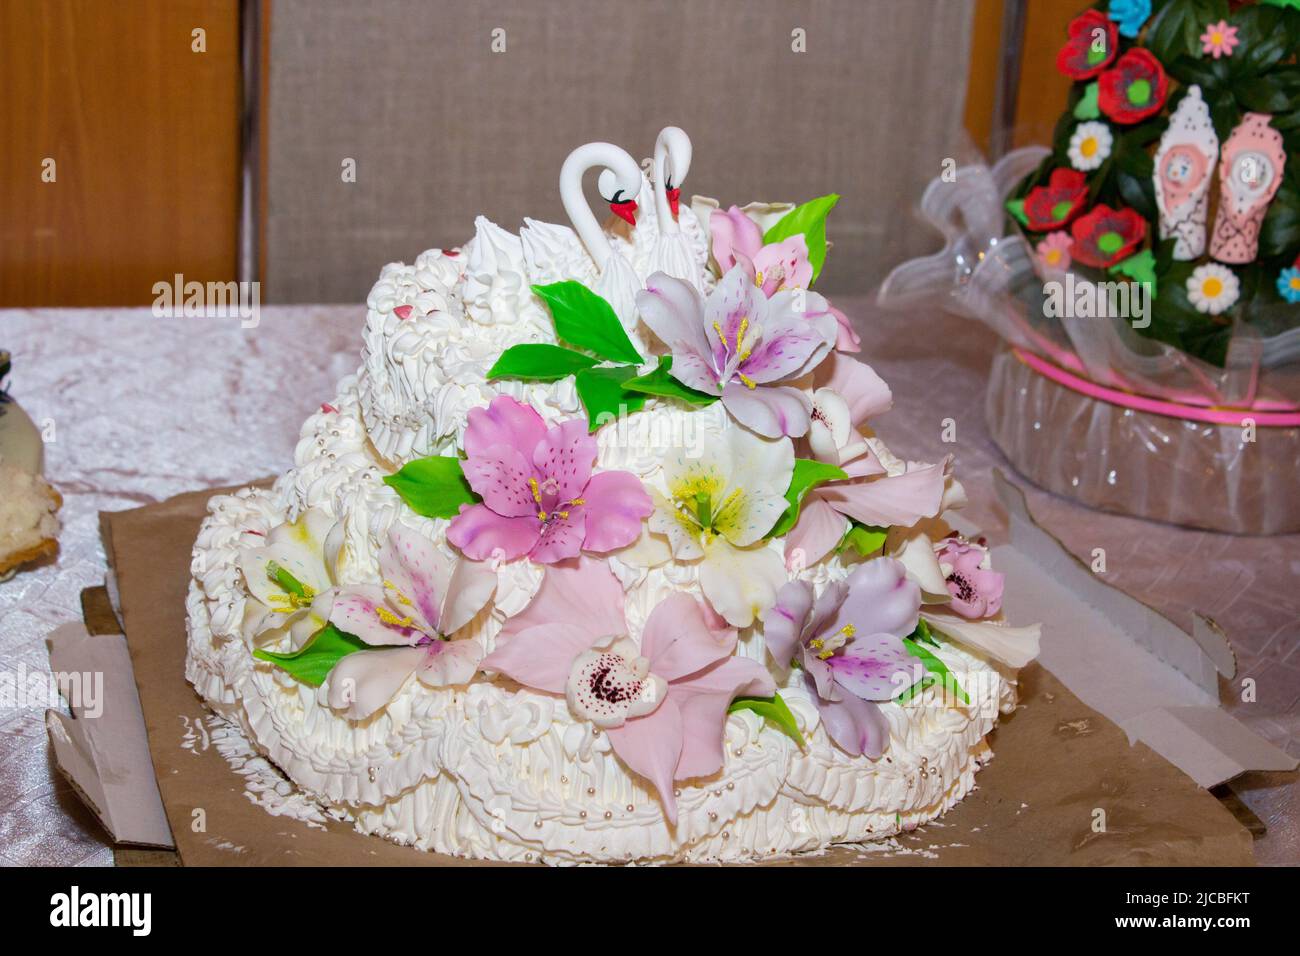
{"x":1144,"y":428}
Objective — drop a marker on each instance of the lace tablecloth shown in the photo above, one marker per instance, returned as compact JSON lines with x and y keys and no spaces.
{"x":141,"y":408}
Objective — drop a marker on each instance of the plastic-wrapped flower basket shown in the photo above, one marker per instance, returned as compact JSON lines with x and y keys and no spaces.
{"x":1086,"y":406}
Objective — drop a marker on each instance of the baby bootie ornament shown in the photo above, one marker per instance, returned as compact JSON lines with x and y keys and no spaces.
{"x":1183,"y":167}
{"x":1249,"y":175}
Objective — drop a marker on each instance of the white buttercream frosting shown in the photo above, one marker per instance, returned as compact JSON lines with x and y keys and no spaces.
{"x":493,"y":770}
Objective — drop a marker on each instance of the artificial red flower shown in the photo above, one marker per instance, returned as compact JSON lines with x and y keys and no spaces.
{"x":1134,"y":88}
{"x":1106,"y":236}
{"x":1086,"y":53}
{"x":1052,"y":206}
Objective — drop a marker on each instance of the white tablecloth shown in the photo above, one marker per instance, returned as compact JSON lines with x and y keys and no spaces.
{"x":143,"y":408}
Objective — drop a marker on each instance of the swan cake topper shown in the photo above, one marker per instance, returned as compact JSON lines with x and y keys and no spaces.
{"x":1184,"y":166}
{"x":1250,"y":173}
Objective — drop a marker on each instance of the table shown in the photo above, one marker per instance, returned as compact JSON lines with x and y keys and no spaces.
{"x":141,"y":408}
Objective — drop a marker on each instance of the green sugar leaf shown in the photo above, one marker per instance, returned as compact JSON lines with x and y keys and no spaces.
{"x":584,"y":319}
{"x":770,"y":708}
{"x":865,"y":539}
{"x":807,"y":475}
{"x":602,"y":395}
{"x":313,"y":662}
{"x":661,"y":383}
{"x":434,"y":487}
{"x":808,"y":220}
{"x":937,"y":669}
{"x":539,"y":363}
{"x":1087,"y":107}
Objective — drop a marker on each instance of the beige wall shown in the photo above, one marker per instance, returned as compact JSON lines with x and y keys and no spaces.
{"x":442,"y":128}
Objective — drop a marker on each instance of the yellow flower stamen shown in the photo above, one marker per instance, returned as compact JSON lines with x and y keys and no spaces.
{"x":749,"y":382}
{"x":391,"y":619}
{"x":397,"y":592}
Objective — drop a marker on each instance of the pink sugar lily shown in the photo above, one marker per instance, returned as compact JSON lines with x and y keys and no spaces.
{"x":847,"y":394}
{"x":738,"y":241}
{"x":975,"y":587}
{"x":662,"y":701}
{"x":424,"y":598}
{"x":742,"y":346}
{"x":540,"y":497}
{"x":848,"y":642}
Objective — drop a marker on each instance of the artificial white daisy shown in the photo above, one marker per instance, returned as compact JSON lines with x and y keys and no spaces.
{"x":1090,"y":145}
{"x":1213,"y":288}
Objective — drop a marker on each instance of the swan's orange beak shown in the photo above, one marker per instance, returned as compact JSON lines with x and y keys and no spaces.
{"x":674,"y":199}
{"x":625,"y":210}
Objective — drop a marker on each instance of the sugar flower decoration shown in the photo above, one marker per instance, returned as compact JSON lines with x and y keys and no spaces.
{"x":975,"y":587}
{"x":1288,"y":284}
{"x":424,"y":598}
{"x":540,"y":497}
{"x":1054,"y":251}
{"x":1091,"y":46}
{"x":738,"y":241}
{"x":1134,"y":88}
{"x":742,"y":346}
{"x":848,"y":643}
{"x":1213,"y":288}
{"x":1106,"y":236}
{"x":1090,"y":145}
{"x":1130,"y":15}
{"x":1055,"y":204}
{"x":1219,"y":39}
{"x":661,"y":701}
{"x":848,"y":393}
{"x":291,"y":578}
{"x":719,"y":505}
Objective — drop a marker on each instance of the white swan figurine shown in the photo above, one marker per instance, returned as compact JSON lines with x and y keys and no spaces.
{"x":671,"y":250}
{"x":553,"y":253}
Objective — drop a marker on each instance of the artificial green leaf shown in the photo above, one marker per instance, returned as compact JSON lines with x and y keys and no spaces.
{"x":808,"y":219}
{"x":1087,"y":108}
{"x":937,"y":668}
{"x":541,"y":363}
{"x":434,"y":487}
{"x":661,"y":383}
{"x":601,"y":393}
{"x":584,"y":319}
{"x":921,"y":634}
{"x":1017,"y":208}
{"x":863,"y":538}
{"x":1140,"y":267}
{"x":808,"y":474}
{"x":770,"y":708}
{"x":1177,"y":27}
{"x":313,"y":662}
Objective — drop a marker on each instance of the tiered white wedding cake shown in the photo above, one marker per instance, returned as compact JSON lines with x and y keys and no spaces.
{"x":594,"y":559}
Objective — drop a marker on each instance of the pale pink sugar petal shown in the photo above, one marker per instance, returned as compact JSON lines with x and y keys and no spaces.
{"x":675,"y":312}
{"x":881,"y":599}
{"x":819,"y":672}
{"x":616,"y":506}
{"x":807,"y":313}
{"x":651,"y":746}
{"x":785,"y":352}
{"x":541,"y":656}
{"x":499,"y":475}
{"x":365,"y":681}
{"x":783,"y":265}
{"x":865,"y":465}
{"x":818,"y":530}
{"x":695,"y":371}
{"x":468,"y":592}
{"x":583,"y":592}
{"x":561,"y":536}
{"x":876,"y":667}
{"x":846,"y":338}
{"x":449,"y":663}
{"x":420,"y":566}
{"x":703,"y":699}
{"x":784,"y":621}
{"x":825,"y":608}
{"x":855,"y":725}
{"x":357,"y":609}
{"x":857,"y":383}
{"x":482,"y":534}
{"x":504,"y":422}
{"x":733,"y":231}
{"x":732,"y":303}
{"x":891,"y":500}
{"x":770,"y":410}
{"x":564,"y":459}
{"x":680,"y":638}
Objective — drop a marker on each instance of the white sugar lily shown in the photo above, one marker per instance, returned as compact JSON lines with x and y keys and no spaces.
{"x":292,"y":578}
{"x":719,"y":505}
